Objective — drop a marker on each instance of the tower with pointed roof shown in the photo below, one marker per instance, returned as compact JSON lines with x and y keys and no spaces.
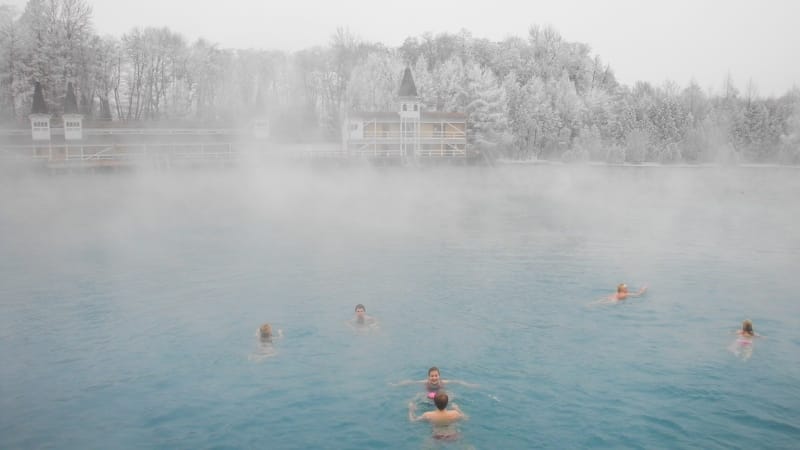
{"x":39,"y":117}
{"x":73,"y":120}
{"x":409,"y":116}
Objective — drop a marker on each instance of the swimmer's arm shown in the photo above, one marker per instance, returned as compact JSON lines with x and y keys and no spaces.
{"x":463,"y":383}
{"x":280,"y":334}
{"x":640,"y":293}
{"x":461,"y":414}
{"x":407,"y":382}
{"x":412,"y":409}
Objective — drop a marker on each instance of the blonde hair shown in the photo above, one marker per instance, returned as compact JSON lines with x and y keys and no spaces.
{"x":747,"y":326}
{"x":265,"y":330}
{"x":621,"y":287}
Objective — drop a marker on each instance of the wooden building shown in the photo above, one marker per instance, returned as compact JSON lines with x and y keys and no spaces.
{"x":409,"y":134}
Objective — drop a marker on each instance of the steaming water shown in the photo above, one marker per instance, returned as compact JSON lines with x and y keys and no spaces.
{"x":130,"y":301}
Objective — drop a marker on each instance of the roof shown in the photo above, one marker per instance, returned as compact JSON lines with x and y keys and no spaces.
{"x":70,"y":103}
{"x":407,"y":86}
{"x":39,"y":106}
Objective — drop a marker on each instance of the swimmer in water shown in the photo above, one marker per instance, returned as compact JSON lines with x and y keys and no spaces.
{"x":442,"y":420}
{"x":265,"y":337}
{"x":622,"y":294}
{"x":743,"y":346}
{"x":435,"y":383}
{"x":361,"y":320}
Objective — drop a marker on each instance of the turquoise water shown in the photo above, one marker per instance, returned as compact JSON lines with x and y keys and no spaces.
{"x":130,"y":303}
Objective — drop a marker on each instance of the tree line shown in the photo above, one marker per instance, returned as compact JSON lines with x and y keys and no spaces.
{"x":540,"y":96}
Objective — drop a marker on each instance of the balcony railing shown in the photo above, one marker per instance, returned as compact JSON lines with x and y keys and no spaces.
{"x":412,"y":135}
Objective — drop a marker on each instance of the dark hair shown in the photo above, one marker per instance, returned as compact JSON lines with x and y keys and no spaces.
{"x":433,"y":369}
{"x":361,"y":306}
{"x":440,"y":400}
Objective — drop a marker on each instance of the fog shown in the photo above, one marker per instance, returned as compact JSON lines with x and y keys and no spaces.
{"x":655,"y":211}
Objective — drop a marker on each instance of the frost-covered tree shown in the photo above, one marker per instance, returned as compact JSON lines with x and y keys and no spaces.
{"x":548,"y":47}
{"x":597,"y":110}
{"x":512,"y":55}
{"x":448,"y":81}
{"x":790,"y":140}
{"x":668,"y":121}
{"x":589,"y":143}
{"x":10,"y":54}
{"x":207,"y":65}
{"x":695,"y":102}
{"x":485,"y":107}
{"x":373,"y":83}
{"x":534,"y":123}
{"x":566,"y":102}
{"x":424,"y":83}
{"x":637,"y":145}
{"x":751,"y":133}
{"x":55,"y":37}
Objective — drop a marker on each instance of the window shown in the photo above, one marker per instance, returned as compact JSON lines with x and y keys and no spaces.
{"x":416,"y":107}
{"x":405,"y":107}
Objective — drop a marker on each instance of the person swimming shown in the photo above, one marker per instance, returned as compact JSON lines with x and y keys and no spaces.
{"x":434,"y":383}
{"x":361,"y":319}
{"x":743,"y":346}
{"x":442,"y":420}
{"x":622,"y":294}
{"x":265,"y":336}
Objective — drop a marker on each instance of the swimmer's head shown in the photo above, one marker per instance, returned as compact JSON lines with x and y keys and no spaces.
{"x":360,"y":310}
{"x":433,"y":375}
{"x":747,"y":326}
{"x":622,"y":288}
{"x":440,"y":400}
{"x":265,"y":331}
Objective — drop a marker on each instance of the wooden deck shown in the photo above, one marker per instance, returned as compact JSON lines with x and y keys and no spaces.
{"x":159,"y":147}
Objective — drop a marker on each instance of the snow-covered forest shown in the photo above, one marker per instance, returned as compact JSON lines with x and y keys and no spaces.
{"x":536,"y":96}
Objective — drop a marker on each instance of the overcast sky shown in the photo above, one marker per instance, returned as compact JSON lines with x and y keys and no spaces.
{"x":654,"y":41}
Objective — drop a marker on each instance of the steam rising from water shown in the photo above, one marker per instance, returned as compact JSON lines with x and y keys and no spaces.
{"x":147,"y":286}
{"x":643,"y":205}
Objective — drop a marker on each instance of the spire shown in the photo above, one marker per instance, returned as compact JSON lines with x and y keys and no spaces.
{"x":39,"y":106}
{"x":407,"y":87}
{"x":70,"y":103}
